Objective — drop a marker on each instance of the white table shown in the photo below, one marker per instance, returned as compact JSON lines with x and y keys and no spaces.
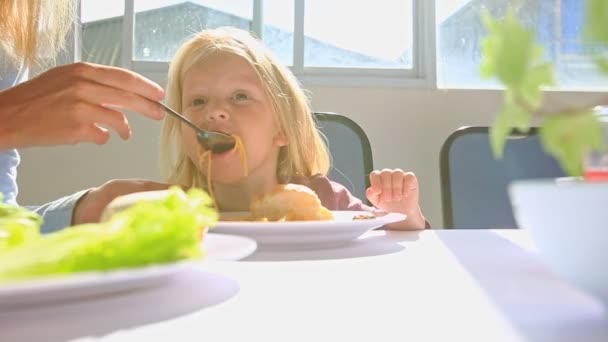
{"x":456,"y":285}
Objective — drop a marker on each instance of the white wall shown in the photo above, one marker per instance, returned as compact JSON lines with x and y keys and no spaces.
{"x":406,"y":128}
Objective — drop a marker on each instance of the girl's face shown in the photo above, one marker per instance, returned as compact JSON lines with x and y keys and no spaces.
{"x":223,"y":94}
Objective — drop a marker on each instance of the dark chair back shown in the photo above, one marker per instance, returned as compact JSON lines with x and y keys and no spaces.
{"x":474,"y":183}
{"x":350,"y":152}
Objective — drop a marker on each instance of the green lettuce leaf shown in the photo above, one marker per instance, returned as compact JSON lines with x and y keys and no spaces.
{"x":146,"y":233}
{"x":17,"y":225}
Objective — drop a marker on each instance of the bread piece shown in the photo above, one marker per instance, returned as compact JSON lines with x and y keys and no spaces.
{"x":290,"y":202}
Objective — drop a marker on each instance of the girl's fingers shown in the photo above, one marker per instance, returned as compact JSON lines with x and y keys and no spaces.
{"x":372,"y":195}
{"x":387,"y":185}
{"x":375,"y":189}
{"x":375,"y":181}
{"x":397,"y":180}
{"x":391,"y":185}
{"x":410,"y":183}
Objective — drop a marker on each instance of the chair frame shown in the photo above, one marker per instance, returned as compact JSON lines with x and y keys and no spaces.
{"x":368,"y":162}
{"x":444,"y":166}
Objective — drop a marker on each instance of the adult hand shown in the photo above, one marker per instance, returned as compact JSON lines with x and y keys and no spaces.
{"x":91,"y":205}
{"x":71,"y":104}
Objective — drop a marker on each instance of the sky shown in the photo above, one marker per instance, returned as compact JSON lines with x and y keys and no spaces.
{"x":384,"y":32}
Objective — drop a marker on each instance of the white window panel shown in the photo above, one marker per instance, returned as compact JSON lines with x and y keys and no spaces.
{"x":102,"y":26}
{"x":162,"y":26}
{"x":375,"y":34}
{"x":559,"y":28}
{"x":412,"y":50}
{"x":278,"y":28}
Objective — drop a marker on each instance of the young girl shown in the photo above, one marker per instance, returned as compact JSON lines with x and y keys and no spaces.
{"x":226,"y":80}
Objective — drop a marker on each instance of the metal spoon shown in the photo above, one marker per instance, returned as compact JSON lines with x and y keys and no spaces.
{"x":216,"y":142}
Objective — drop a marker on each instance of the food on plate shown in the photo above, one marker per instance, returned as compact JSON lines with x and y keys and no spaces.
{"x":17,"y":225}
{"x":289,"y":202}
{"x":148,"y":232}
{"x":364,"y":217}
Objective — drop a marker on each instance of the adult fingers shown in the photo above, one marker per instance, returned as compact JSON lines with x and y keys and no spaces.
{"x":97,"y":93}
{"x":119,"y":78}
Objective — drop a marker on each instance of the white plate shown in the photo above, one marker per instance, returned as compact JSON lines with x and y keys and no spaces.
{"x":306,"y":234}
{"x":225,"y":247}
{"x":94,"y":284}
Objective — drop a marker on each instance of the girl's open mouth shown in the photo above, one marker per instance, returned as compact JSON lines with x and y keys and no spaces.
{"x":223,"y":153}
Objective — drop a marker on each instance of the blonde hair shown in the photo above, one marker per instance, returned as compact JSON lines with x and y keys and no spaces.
{"x":34,"y":31}
{"x":304,"y":155}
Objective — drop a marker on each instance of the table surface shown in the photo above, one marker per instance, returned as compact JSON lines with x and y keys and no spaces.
{"x":434,"y":285}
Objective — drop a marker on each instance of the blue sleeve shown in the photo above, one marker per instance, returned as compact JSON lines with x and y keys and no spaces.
{"x":58,"y":214}
{"x":9,"y":160}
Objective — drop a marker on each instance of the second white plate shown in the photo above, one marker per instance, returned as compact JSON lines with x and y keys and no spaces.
{"x":306,"y":234}
{"x":93,"y":284}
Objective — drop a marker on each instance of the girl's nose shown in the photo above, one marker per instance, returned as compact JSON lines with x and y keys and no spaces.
{"x":217,"y":113}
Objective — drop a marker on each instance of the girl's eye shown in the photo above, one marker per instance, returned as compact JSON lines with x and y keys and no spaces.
{"x":241,"y":97}
{"x":198,"y":102}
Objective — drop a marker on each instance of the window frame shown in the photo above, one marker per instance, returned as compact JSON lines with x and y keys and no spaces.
{"x":421,"y":75}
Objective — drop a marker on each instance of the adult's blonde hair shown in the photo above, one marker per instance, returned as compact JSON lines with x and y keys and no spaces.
{"x":34,"y":31}
{"x":305,"y":153}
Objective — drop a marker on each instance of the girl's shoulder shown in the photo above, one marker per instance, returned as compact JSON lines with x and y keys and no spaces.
{"x":319,"y":183}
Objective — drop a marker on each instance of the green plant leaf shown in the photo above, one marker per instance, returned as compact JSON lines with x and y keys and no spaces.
{"x":510,"y":116}
{"x":602,"y":64}
{"x":507,"y":50}
{"x":597,"y":21}
{"x":569,"y":136}
{"x":511,"y":55}
{"x":531,"y":89}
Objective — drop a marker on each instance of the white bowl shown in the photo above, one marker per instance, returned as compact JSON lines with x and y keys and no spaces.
{"x":568,"y":222}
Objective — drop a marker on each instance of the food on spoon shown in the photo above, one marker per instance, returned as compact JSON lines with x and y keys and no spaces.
{"x":206,"y":156}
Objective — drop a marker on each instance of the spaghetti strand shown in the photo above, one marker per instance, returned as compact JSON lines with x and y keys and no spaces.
{"x":208,"y":157}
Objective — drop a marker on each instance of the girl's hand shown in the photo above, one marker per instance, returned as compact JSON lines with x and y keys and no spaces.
{"x":70,"y":104}
{"x":397,"y":191}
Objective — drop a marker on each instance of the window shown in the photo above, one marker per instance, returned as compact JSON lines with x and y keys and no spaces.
{"x":559,"y":26}
{"x":278,"y":28}
{"x":376,"y":38}
{"x":358,"y":34}
{"x":102,"y":31}
{"x":368,"y":42}
{"x":162,"y":26}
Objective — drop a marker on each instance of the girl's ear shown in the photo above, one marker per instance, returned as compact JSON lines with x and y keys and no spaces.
{"x":280,"y":139}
